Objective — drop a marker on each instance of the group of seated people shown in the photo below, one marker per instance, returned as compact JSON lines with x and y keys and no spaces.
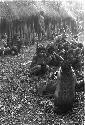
{"x":56,"y":52}
{"x":66,"y":81}
{"x":45,"y":57}
{"x":10,"y":47}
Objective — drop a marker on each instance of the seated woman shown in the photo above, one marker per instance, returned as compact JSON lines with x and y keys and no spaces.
{"x":38,"y":66}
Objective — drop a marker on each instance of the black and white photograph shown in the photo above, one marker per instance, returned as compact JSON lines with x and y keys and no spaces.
{"x":42,"y":62}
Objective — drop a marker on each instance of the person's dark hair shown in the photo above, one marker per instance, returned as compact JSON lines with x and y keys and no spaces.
{"x":66,"y":66}
{"x":40,"y":48}
{"x":41,"y":13}
{"x":80,"y":45}
{"x":50,"y":48}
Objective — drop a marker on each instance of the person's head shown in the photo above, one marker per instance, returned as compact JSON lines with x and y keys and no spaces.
{"x":80,"y":45}
{"x":5,"y":34}
{"x":66,"y":66}
{"x":16,"y":36}
{"x":42,"y":13}
{"x":41,"y":50}
{"x":50,"y":48}
{"x":66,"y":45}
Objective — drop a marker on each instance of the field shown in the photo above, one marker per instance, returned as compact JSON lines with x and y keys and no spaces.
{"x":19,"y":103}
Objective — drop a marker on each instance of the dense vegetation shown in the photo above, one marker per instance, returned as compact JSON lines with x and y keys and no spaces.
{"x":19,"y":102}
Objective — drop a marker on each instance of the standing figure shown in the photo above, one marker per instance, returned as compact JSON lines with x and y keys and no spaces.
{"x":5,"y":40}
{"x":65,"y":88}
{"x":42,"y":23}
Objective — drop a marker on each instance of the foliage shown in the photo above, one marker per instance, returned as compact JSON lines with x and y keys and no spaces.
{"x":12,"y":10}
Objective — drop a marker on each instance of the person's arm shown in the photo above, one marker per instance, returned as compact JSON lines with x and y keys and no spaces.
{"x":34,"y":61}
{"x":59,"y":57}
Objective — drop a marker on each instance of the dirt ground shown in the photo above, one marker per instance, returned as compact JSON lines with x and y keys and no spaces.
{"x":19,"y":103}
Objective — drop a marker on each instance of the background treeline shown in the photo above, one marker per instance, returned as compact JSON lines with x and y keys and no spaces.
{"x":22,"y":17}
